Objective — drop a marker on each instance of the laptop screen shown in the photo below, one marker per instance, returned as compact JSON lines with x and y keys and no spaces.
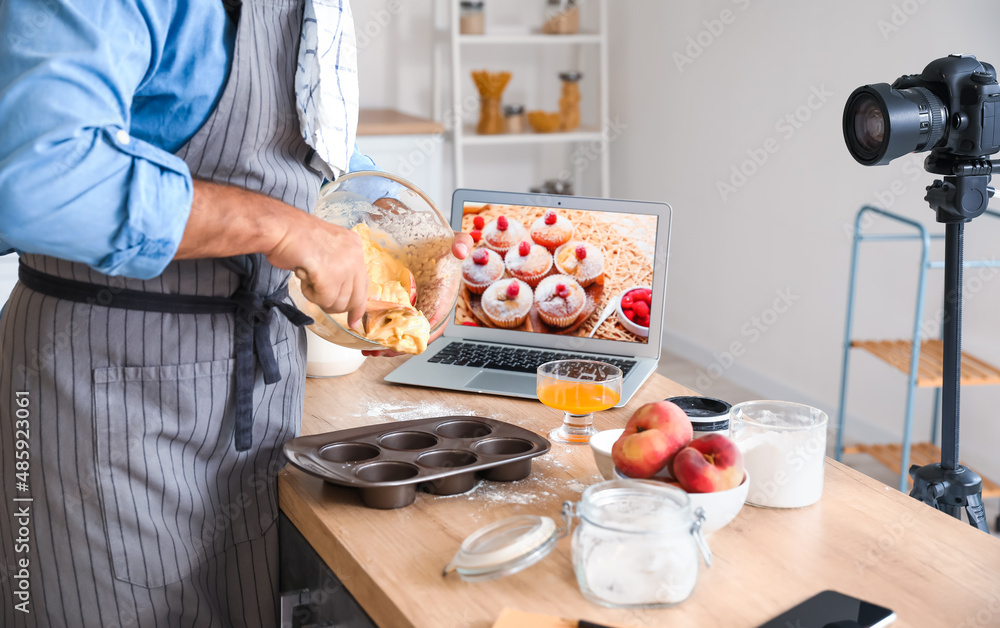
{"x":559,"y":271}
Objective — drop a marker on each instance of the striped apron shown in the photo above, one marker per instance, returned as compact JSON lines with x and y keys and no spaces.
{"x":144,"y":512}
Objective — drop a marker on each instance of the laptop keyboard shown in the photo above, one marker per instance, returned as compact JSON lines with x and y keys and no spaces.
{"x":512,"y":358}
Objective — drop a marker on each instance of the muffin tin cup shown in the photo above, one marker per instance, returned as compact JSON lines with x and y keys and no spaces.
{"x":440,"y":455}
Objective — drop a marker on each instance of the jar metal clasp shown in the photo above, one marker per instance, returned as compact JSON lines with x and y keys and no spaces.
{"x":568,"y":512}
{"x":699,"y":519}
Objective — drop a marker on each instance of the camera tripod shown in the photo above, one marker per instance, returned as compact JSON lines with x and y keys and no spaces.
{"x":963,"y":195}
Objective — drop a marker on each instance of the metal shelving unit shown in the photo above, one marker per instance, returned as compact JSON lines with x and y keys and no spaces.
{"x":463,"y":136}
{"x":920,"y":360}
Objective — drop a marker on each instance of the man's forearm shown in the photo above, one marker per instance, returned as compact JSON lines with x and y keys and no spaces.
{"x":226,"y":220}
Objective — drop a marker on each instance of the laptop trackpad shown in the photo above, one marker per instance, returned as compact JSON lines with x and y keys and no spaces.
{"x":512,"y":383}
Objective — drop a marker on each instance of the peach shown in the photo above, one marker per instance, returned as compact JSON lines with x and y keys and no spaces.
{"x":652,"y":437}
{"x":709,"y":464}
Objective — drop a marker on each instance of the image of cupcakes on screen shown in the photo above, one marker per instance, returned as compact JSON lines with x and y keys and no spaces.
{"x":528,"y":262}
{"x":503,"y":233}
{"x":551,"y":230}
{"x":507,"y":303}
{"x":560,"y":300}
{"x":580,"y":260}
{"x":481,"y":269}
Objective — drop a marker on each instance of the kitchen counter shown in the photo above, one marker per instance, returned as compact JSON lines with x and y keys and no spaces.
{"x":863,"y":538}
{"x":392,"y":122}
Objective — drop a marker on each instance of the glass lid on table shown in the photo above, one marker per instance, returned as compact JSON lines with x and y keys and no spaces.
{"x":505,"y":547}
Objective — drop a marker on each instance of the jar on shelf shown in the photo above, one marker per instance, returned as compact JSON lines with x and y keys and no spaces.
{"x":636,"y":545}
{"x":562,"y":17}
{"x":514,"y":118}
{"x":471,"y":20}
{"x":569,"y":102}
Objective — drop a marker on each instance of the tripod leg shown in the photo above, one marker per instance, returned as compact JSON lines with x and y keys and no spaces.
{"x":948,"y":509}
{"x":976,"y":512}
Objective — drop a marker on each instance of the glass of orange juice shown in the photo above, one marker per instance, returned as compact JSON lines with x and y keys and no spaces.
{"x":578,"y":388}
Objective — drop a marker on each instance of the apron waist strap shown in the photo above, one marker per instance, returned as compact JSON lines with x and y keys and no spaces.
{"x":253,"y":314}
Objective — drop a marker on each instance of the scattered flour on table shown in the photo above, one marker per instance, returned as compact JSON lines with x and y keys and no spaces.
{"x":409,"y":411}
{"x":412,"y":411}
{"x":541,"y":488}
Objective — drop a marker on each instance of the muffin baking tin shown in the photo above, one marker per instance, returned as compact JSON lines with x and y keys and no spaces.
{"x":442,"y":455}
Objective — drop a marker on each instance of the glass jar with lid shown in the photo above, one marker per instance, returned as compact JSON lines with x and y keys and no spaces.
{"x":636,"y":545}
{"x":471,"y":20}
{"x":562,"y":17}
{"x":514,"y":118}
{"x":569,"y":102}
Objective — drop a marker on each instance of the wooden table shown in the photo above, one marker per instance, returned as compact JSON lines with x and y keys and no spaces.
{"x":863,"y":538}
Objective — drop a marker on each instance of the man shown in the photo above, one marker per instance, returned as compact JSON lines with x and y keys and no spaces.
{"x":158,"y":159}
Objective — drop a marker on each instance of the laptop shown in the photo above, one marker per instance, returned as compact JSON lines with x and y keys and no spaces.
{"x":476,"y":355}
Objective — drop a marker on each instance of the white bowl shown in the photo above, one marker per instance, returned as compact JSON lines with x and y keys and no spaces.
{"x":638,"y":330}
{"x":720,"y":507}
{"x":325,"y":359}
{"x":600,"y":444}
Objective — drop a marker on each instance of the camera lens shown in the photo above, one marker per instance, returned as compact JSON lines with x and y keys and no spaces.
{"x":882,"y":123}
{"x":869,"y":124}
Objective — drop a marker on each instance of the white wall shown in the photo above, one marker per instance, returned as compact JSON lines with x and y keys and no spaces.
{"x":8,"y":276}
{"x":697,"y":110}
{"x":786,"y":228}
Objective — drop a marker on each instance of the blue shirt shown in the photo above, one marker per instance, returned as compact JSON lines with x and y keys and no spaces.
{"x":94,"y":99}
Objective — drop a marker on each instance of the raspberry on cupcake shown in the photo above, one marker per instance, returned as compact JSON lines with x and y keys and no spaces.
{"x":580,"y":260}
{"x":560,"y":300}
{"x":528,"y":262}
{"x":502,"y":233}
{"x":507,"y":303}
{"x":551,"y":230}
{"x":481,"y":269}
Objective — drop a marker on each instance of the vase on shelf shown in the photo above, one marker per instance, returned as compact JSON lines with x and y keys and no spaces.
{"x":490,"y":86}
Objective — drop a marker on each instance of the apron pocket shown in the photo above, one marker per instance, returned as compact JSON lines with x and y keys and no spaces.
{"x":168,"y":472}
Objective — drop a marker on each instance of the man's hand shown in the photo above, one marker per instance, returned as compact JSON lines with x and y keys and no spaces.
{"x":460,"y":248}
{"x":226,"y":220}
{"x":328,"y":261}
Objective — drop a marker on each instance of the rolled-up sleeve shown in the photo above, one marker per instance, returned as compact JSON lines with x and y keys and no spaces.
{"x":361,"y":161}
{"x":74,"y":183}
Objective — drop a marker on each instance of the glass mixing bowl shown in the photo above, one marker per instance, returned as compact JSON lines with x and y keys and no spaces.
{"x":404,"y":222}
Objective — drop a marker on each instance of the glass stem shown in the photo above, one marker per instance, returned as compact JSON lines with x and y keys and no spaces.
{"x":578,"y":420}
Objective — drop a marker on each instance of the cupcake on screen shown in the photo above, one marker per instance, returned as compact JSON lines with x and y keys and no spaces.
{"x":507,"y":303}
{"x":551,"y":230}
{"x":580,"y":260}
{"x":560,"y":300}
{"x":481,"y":269}
{"x":503,"y":233}
{"x":528,"y":262}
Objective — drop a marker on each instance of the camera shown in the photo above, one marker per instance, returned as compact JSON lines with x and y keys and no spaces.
{"x":952,"y":108}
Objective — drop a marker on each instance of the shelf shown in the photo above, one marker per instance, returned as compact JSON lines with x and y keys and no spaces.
{"x":513,"y":36}
{"x":392,"y":122}
{"x":920,"y":454}
{"x":529,"y":38}
{"x":975,"y":372}
{"x":583,"y":134}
